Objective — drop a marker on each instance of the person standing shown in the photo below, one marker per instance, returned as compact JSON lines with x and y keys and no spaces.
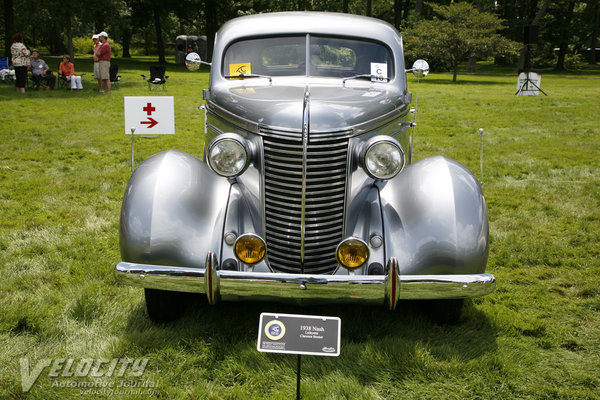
{"x":40,"y":71}
{"x":20,"y":61}
{"x":67,"y":69}
{"x":97,"y":43}
{"x":103,"y":55}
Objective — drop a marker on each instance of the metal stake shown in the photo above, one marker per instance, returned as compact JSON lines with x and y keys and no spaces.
{"x":132,"y":146}
{"x":481,"y":153}
{"x":298,"y":377}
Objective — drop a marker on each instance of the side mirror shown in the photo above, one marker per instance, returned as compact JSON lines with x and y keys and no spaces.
{"x":193,"y":62}
{"x":420,"y":69}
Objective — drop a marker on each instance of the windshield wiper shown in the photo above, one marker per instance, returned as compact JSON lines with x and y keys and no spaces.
{"x":362,"y":76}
{"x":244,"y":76}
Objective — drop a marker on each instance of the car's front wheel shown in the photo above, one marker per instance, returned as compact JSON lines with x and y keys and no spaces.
{"x":447,"y":311}
{"x":166,"y":305}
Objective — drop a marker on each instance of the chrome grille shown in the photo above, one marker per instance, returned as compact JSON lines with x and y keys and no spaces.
{"x":324,"y":210}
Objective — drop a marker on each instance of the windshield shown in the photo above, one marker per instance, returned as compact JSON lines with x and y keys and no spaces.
{"x":329,"y":57}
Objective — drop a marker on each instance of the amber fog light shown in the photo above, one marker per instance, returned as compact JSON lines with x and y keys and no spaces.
{"x":352,"y":253}
{"x":250,"y":248}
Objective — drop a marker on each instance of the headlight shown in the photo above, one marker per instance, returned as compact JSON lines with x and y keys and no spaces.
{"x":352,"y":253}
{"x":250,"y":248}
{"x":228,"y":155}
{"x":382,"y":157}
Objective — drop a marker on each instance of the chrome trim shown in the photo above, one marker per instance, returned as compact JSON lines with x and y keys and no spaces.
{"x":375,"y":289}
{"x":211,"y":281}
{"x":392,"y":284}
{"x":367,"y":145}
{"x":236,"y":138}
{"x":304,"y":199}
{"x":305,"y":129}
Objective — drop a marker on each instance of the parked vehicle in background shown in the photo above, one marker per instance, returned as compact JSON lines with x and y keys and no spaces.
{"x":308,"y":191}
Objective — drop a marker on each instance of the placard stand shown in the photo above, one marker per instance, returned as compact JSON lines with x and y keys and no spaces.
{"x":132,"y":147}
{"x":298,"y":365}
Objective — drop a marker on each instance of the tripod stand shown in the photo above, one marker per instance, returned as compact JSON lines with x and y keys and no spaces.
{"x":528,"y":82}
{"x":525,"y":86}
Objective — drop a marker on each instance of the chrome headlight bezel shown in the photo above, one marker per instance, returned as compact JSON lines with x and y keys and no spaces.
{"x":236,"y":143}
{"x":379,"y":144}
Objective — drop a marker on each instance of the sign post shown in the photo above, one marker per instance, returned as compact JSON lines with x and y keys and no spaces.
{"x":299,"y":334}
{"x":148,"y":116}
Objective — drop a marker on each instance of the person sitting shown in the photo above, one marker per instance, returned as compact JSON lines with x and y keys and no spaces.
{"x":40,"y":72}
{"x":67,"y":69}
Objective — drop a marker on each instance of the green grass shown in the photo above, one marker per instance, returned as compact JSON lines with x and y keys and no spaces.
{"x":64,"y":165}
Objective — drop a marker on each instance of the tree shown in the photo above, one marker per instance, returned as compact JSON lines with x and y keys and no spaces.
{"x":457,"y":32}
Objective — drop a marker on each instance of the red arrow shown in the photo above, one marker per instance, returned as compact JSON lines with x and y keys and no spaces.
{"x":151,"y":122}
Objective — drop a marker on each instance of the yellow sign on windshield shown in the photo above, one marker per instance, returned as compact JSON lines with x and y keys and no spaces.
{"x":239,"y":69}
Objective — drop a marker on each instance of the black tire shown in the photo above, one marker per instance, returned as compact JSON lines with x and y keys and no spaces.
{"x":166,"y":305}
{"x":444,"y":312}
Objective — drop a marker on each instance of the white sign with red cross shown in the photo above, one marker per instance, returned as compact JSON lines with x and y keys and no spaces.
{"x":149,"y":115}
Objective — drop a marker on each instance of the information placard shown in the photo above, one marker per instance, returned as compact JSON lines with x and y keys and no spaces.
{"x":299,"y":334}
{"x":153,"y":115}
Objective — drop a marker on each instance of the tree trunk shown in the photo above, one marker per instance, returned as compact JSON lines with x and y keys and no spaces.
{"x":160,"y":44}
{"x":345,"y":6}
{"x":70,"y":37}
{"x":126,"y":43}
{"x":210,"y":13}
{"x":536,"y":21}
{"x":454,"y":70}
{"x":9,"y":25}
{"x":369,"y":8}
{"x":564,"y":46}
{"x":594,"y":43}
{"x":560,"y":62}
{"x":406,"y":10}
{"x":472,"y":64}
{"x":397,"y":12}
{"x":418,"y":8}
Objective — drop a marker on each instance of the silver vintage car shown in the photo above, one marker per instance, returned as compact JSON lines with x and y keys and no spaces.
{"x":307,"y":190}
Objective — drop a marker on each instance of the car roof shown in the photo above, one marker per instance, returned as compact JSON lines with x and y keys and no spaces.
{"x":299,"y":22}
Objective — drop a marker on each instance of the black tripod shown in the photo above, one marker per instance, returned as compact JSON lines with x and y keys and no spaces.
{"x":530,"y":38}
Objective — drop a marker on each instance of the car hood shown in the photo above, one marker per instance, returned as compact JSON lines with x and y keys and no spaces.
{"x":331,"y":107}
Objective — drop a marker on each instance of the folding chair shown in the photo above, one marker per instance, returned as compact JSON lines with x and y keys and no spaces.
{"x":8,"y":74}
{"x":61,"y":80}
{"x":114,"y":78}
{"x":157,"y":77}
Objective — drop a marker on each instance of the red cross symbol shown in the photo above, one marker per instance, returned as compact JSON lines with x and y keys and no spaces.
{"x":149,"y":109}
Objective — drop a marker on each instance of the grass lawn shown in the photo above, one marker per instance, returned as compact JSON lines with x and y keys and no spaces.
{"x":64,"y":165}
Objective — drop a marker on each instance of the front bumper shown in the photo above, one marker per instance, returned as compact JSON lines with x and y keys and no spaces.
{"x":300,"y":288}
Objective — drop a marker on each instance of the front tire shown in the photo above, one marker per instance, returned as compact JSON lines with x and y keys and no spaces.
{"x":166,"y":305}
{"x":444,"y":312}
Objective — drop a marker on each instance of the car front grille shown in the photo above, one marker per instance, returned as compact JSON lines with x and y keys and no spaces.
{"x":326,"y":159}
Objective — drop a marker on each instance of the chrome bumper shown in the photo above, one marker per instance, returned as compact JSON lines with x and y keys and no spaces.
{"x":299,"y":288}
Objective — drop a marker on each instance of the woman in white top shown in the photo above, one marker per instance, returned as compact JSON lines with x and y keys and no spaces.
{"x":20,"y":61}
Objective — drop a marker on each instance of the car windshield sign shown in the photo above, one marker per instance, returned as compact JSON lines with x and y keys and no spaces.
{"x":287,"y":56}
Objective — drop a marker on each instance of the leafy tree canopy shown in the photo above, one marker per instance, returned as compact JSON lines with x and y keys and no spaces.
{"x":457,"y":32}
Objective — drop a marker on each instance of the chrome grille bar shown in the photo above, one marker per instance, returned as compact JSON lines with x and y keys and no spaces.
{"x":312,"y":229}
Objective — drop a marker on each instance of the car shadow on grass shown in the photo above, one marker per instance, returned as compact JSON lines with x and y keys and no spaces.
{"x":232,"y":327}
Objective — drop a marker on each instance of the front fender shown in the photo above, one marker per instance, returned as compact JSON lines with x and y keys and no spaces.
{"x":435,"y":219}
{"x":173,"y":211}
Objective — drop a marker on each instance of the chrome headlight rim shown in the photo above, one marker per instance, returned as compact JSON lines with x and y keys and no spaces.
{"x":370,"y":145}
{"x":231,"y":138}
